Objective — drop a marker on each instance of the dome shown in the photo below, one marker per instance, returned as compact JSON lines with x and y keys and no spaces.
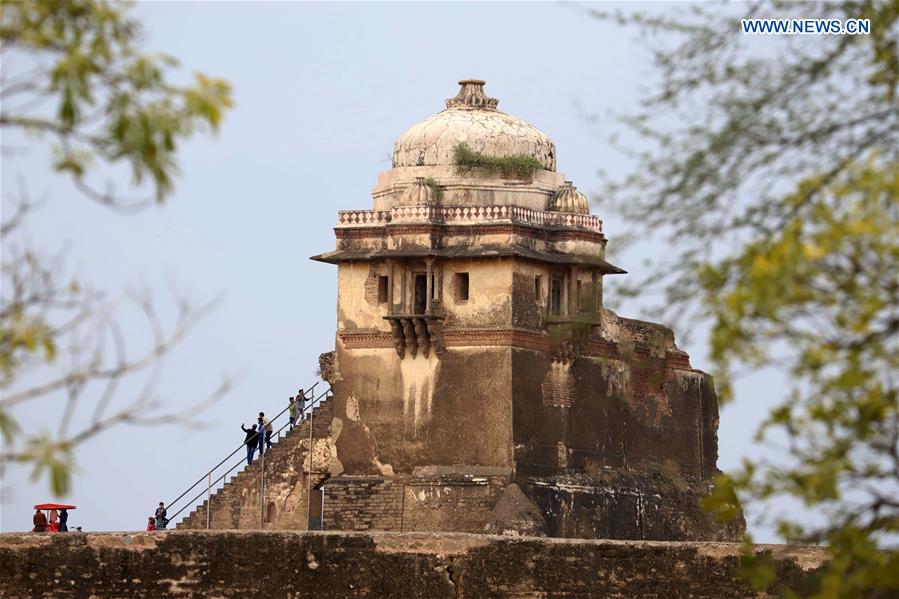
{"x":471,"y":118}
{"x":569,"y":199}
{"x":417,"y":194}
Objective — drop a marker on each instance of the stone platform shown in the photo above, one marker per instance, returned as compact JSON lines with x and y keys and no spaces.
{"x":407,"y":565}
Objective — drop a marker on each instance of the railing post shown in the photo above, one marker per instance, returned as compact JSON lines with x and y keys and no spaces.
{"x":208,"y":499}
{"x":309,"y":489}
{"x":262,"y":493}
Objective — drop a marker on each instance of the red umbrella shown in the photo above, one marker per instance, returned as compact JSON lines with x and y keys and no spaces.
{"x":54,"y":506}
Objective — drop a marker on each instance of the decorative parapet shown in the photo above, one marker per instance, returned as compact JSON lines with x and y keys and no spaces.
{"x":363,"y":218}
{"x":468,"y":215}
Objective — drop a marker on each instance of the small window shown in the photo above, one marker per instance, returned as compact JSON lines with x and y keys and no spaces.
{"x":461,"y":281}
{"x":555,"y":298}
{"x":270,"y":513}
{"x":420,"y":291}
{"x":538,"y":281}
{"x":580,"y":297}
{"x":382,"y":290}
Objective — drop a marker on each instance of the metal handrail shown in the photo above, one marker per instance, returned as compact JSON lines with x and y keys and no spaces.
{"x":313,"y":403}
{"x":229,"y":456}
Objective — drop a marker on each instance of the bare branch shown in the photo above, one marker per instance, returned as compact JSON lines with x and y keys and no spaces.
{"x":164,"y":344}
{"x":23,"y":206}
{"x":131,"y":414}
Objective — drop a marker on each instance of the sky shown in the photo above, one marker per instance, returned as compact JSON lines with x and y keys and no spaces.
{"x":321,"y":92}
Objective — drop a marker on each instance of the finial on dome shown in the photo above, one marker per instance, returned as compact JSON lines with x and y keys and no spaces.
{"x":471,"y":95}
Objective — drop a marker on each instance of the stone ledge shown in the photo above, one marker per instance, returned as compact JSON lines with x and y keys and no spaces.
{"x":408,"y":565}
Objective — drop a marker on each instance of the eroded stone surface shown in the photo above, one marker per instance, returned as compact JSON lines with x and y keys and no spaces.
{"x":410,"y":566}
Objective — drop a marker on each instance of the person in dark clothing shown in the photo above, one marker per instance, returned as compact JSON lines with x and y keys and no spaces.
{"x":63,"y":519}
{"x":251,"y":440}
{"x":40,"y":521}
{"x":161,"y":520}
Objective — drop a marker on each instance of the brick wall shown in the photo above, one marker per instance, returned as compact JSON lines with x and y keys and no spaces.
{"x":422,"y":503}
{"x":370,"y":293}
{"x":363,"y":503}
{"x":558,"y":386}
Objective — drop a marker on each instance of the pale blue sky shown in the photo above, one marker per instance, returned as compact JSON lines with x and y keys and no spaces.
{"x":322,"y":91}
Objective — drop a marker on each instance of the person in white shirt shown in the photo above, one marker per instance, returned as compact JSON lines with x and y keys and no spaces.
{"x":266,"y":439}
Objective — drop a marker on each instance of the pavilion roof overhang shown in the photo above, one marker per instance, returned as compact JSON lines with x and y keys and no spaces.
{"x":484,"y":251}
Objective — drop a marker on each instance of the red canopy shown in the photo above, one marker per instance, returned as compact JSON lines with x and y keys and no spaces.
{"x":54,"y":506}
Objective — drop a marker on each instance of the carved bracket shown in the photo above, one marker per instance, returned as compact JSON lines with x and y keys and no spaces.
{"x":399,"y":339}
{"x":421,"y":332}
{"x":417,"y":332}
{"x":568,"y":352}
{"x":409,"y":334}
{"x":435,"y":330}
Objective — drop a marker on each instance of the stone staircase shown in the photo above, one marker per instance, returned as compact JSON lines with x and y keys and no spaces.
{"x":288,"y":465}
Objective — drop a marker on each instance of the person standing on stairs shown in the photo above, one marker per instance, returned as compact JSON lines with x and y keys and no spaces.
{"x":265,"y":432}
{"x":292,"y":412}
{"x":251,"y":440}
{"x":161,"y":517}
{"x":301,"y":400}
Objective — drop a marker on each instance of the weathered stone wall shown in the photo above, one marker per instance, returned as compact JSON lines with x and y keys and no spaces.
{"x":593,"y":413}
{"x":488,"y":303}
{"x":410,"y":566}
{"x":489,"y":300}
{"x":530,"y":305}
{"x":392,"y":415}
{"x":614,"y":437}
{"x":355,"y":308}
{"x":626,"y":506}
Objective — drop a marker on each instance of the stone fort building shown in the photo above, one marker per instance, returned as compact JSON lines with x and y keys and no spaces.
{"x":478,"y":383}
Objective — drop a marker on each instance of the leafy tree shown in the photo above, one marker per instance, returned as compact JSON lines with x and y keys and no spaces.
{"x":75,"y":78}
{"x":770,"y":166}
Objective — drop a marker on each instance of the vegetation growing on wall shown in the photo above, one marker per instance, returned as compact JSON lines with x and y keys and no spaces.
{"x":517,"y":166}
{"x":435,"y":187}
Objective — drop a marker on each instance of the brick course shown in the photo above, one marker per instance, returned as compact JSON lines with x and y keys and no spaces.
{"x":423,"y":503}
